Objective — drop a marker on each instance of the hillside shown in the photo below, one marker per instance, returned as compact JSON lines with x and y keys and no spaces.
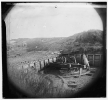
{"x":44,"y":44}
{"x":84,"y":41}
{"x":35,"y":44}
{"x":89,"y":40}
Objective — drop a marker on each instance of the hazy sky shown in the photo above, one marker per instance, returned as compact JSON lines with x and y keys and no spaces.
{"x":50,"y":20}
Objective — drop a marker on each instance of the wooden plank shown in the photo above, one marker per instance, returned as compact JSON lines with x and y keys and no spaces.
{"x":97,"y":59}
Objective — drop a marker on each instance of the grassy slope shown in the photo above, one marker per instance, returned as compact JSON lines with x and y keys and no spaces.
{"x":43,"y":44}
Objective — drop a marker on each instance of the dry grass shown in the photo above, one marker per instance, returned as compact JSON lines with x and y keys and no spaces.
{"x":48,"y":85}
{"x":44,"y":85}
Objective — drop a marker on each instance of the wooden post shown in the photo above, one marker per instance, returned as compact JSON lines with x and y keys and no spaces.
{"x":63,"y":59}
{"x":93,"y":60}
{"x":53,"y":59}
{"x":59,"y":59}
{"x":22,"y":64}
{"x":80,"y":72}
{"x":44,"y":63}
{"x":40,"y":64}
{"x":70,"y":65}
{"x":28,"y":64}
{"x":34,"y":64}
{"x":56,"y":59}
{"x":81,"y":58}
{"x":101,"y":58}
{"x":48,"y":61}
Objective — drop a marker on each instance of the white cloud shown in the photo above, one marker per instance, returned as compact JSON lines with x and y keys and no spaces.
{"x":51,"y":20}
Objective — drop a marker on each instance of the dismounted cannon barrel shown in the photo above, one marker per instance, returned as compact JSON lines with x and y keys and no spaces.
{"x":86,"y":62}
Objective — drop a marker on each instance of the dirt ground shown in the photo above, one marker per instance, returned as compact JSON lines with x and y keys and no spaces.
{"x":47,"y":84}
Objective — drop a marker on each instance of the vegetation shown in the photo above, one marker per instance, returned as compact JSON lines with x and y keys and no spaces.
{"x":84,"y":41}
{"x":91,"y":40}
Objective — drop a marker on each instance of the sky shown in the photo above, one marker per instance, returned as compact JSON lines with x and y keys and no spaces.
{"x":47,"y":20}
